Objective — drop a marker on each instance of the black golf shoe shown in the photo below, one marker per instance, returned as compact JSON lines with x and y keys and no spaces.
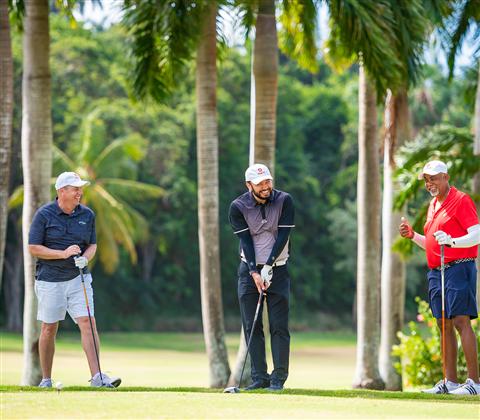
{"x":275,"y":386}
{"x":257,"y":385}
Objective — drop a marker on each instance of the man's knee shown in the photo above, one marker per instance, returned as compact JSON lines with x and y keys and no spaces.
{"x":49,"y":329}
{"x":462,"y":323}
{"x":84,"y":323}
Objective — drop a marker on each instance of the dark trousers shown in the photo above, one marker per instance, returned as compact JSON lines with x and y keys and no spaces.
{"x":277,"y":299}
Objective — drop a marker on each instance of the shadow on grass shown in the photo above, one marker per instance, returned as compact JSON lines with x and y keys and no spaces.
{"x":366,"y":394}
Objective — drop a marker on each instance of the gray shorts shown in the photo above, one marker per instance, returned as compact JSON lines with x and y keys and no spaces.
{"x":55,"y":299}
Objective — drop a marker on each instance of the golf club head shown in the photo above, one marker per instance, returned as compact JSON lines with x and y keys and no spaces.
{"x":231,"y":390}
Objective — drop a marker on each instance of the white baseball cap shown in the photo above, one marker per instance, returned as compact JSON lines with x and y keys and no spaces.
{"x":433,"y":167}
{"x":257,"y":173}
{"x":69,"y":179}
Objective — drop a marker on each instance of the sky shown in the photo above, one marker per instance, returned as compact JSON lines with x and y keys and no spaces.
{"x":111,"y":13}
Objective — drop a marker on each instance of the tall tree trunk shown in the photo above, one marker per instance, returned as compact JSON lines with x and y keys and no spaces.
{"x":6,"y":122}
{"x":36,"y":159}
{"x":393,"y":268}
{"x":265,"y":71}
{"x":476,"y":178}
{"x":368,"y":258}
{"x":207,"y":155}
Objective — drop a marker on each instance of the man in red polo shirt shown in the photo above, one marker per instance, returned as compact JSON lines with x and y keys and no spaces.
{"x":451,"y":221}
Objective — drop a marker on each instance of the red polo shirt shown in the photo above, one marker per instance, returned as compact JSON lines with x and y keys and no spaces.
{"x":454,"y":216}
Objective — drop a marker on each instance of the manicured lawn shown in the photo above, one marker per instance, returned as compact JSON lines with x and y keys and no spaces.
{"x":200,"y":403}
{"x":318,"y":360}
{"x":165,"y":375}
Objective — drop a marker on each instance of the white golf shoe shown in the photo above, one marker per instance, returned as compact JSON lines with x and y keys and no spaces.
{"x":107,"y":382}
{"x":468,"y":388}
{"x":442,"y":388}
{"x":45,"y":383}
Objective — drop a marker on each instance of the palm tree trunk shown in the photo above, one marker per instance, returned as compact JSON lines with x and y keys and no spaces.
{"x":265,"y":70}
{"x":476,"y":178}
{"x":207,"y":155}
{"x":393,"y":268}
{"x":36,"y":160}
{"x":368,"y":255}
{"x":6,"y":122}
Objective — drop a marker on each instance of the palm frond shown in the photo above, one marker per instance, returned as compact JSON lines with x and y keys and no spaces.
{"x":164,"y":35}
{"x":457,"y":26}
{"x":450,"y":144}
{"x":16,"y":198}
{"x":63,"y":160}
{"x":134,"y":146}
{"x":132,"y":189}
{"x":297,"y":33}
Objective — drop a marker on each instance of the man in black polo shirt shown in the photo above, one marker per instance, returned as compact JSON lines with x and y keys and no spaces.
{"x":262,"y":219}
{"x":62,"y":237}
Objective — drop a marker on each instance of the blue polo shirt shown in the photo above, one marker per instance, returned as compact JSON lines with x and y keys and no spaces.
{"x":54,"y":229}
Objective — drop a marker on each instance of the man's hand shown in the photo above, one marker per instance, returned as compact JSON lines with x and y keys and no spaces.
{"x":267,"y":273}
{"x":81,"y":262}
{"x":406,"y":231}
{"x":72,"y":250}
{"x":443,"y":238}
{"x":257,"y":278}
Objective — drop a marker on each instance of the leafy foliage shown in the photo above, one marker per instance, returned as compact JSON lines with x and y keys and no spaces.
{"x":420,"y":350}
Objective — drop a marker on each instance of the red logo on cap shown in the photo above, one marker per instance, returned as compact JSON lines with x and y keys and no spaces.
{"x":260,"y":170}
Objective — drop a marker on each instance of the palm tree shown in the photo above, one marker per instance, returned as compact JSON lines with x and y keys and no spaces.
{"x":368,"y":31}
{"x":208,"y":224}
{"x":6,"y":122}
{"x":165,"y":36}
{"x":36,"y":160}
{"x":111,"y":197}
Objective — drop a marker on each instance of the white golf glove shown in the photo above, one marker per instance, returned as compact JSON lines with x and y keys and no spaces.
{"x":443,"y":238}
{"x":267,"y":273}
{"x":80,"y":262}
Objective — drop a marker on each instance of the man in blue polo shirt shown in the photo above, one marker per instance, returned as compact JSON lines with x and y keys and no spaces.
{"x":62,"y":237}
{"x":262,"y":219}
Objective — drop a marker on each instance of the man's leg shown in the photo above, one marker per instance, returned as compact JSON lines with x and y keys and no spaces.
{"x":87,"y":342}
{"x":469,"y":345}
{"x":278,"y":312}
{"x":46,"y":347}
{"x":450,"y":349}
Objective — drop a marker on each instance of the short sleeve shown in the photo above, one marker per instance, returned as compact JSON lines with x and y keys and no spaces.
{"x":237,"y":220}
{"x":467,"y":213}
{"x":93,"y":234}
{"x":36,"y":235}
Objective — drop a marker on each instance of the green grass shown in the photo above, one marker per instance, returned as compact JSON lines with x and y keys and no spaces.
{"x":165,"y":376}
{"x":203,"y":403}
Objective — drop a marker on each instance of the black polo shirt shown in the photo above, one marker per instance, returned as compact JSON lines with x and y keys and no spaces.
{"x":54,"y":229}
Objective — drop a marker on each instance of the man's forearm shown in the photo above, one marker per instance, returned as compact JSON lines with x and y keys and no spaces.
{"x":90,"y":252}
{"x":419,"y":240}
{"x":41,"y":251}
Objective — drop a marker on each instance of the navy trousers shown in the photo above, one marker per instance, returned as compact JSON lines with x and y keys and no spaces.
{"x":277,"y":300}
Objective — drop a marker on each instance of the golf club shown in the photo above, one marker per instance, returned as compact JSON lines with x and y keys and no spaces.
{"x":91,"y":324}
{"x":442,"y":273}
{"x":236,"y":389}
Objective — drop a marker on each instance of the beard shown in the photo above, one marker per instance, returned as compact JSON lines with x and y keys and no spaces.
{"x":260,"y":197}
{"x":434,"y":192}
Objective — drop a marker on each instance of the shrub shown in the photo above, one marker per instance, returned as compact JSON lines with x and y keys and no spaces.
{"x":419,"y":350}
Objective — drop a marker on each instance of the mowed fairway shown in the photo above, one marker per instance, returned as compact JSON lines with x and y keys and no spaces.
{"x":321,"y":362}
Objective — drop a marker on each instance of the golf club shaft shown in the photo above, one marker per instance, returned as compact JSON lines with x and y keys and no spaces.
{"x":91,"y":325}
{"x":260,"y":297}
{"x":442,"y":272}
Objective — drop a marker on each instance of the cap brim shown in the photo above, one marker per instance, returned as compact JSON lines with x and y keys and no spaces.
{"x":431,"y":173}
{"x":259,"y":179}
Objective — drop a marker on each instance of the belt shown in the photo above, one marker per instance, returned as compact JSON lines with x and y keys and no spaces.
{"x":275,"y":264}
{"x":454,"y":262}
